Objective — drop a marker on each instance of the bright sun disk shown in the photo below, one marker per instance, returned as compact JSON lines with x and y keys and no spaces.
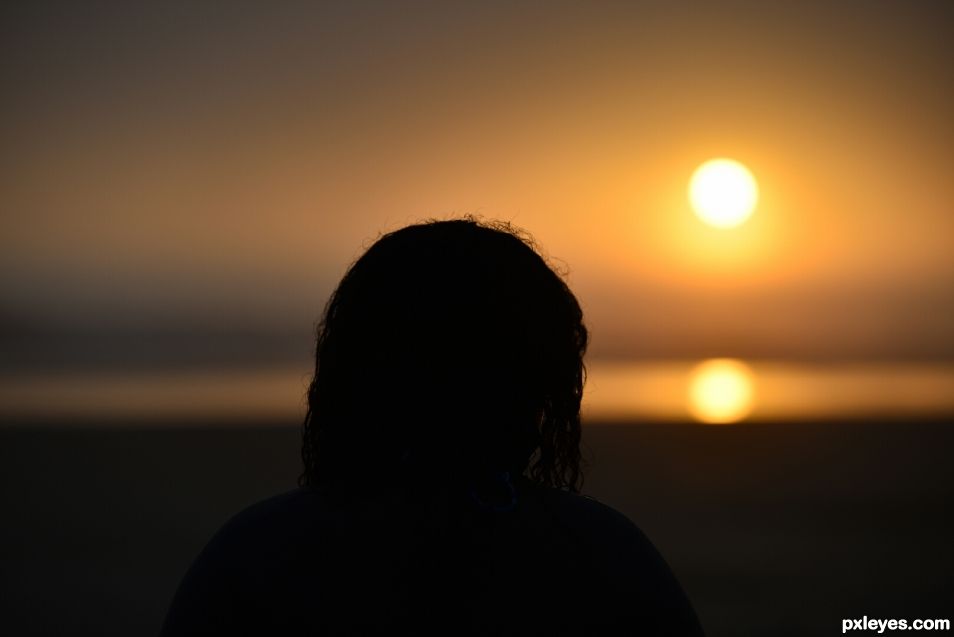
{"x":723,"y":193}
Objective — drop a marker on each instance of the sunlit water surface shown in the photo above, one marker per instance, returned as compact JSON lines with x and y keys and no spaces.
{"x":717,"y":391}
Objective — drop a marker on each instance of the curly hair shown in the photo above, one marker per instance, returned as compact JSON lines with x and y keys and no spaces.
{"x":449,"y":348}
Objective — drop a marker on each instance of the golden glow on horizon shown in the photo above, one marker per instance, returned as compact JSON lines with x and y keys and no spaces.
{"x":721,"y":391}
{"x":723,"y":193}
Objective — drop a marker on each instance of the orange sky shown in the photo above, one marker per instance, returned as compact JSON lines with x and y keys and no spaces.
{"x":182,"y":173}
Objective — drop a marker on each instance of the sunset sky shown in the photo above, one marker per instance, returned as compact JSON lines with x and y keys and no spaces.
{"x":184,"y":185}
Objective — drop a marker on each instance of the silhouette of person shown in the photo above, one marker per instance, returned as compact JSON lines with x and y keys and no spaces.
{"x":441,"y":454}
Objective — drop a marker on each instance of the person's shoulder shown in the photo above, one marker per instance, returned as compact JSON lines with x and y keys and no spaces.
{"x":627,"y":568}
{"x":284,"y":514}
{"x":588,"y":517}
{"x":269,"y":532}
{"x":250,"y":565}
{"x":289,"y":503}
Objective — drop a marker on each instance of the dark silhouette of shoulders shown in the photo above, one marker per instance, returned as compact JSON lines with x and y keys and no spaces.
{"x":303,"y":564}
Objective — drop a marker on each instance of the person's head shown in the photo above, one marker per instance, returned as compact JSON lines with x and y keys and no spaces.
{"x":448,"y":349}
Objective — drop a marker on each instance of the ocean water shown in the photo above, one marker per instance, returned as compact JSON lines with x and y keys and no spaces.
{"x":717,"y":391}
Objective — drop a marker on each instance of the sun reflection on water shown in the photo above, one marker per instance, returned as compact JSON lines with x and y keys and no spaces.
{"x":721,"y":391}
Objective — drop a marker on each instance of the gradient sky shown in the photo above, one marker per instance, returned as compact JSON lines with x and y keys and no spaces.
{"x":184,"y":185}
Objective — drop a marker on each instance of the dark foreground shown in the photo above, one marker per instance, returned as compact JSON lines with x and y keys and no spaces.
{"x":773,"y":530}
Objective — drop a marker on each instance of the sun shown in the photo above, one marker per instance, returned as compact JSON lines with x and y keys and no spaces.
{"x":721,"y":391}
{"x":723,"y":193}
